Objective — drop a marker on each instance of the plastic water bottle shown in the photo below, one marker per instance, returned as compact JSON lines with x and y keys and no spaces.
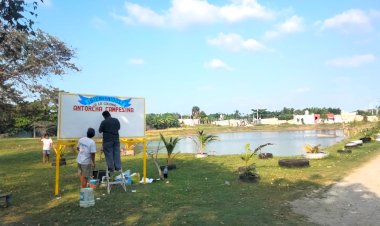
{"x":166,"y":172}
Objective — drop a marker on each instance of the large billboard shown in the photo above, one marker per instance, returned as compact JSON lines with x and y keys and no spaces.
{"x":79,"y":112}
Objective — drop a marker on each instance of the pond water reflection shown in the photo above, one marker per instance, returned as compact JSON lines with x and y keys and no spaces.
{"x":286,"y":143}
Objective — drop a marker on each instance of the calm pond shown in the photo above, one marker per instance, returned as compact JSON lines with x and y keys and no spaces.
{"x":286,"y":143}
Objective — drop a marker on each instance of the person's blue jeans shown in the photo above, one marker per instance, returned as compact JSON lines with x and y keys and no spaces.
{"x":111,"y":151}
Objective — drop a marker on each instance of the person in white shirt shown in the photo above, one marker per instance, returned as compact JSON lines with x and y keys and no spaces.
{"x":86,"y":157}
{"x":47,"y":144}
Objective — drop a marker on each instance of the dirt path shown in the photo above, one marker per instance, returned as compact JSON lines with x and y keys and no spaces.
{"x":353,"y":201}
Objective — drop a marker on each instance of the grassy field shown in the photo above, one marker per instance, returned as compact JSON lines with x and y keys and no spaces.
{"x":199,"y":192}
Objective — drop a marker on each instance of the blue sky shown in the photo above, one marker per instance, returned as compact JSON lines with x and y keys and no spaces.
{"x":222,"y":55}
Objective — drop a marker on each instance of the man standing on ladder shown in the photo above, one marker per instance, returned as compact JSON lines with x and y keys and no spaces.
{"x":111,"y":144}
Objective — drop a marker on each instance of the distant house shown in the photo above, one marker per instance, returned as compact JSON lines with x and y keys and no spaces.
{"x":317,"y":118}
{"x":347,"y":117}
{"x":306,"y":119}
{"x":330,"y":118}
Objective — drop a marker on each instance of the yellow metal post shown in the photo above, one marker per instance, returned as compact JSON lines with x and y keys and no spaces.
{"x":57,"y":160}
{"x":144,"y":160}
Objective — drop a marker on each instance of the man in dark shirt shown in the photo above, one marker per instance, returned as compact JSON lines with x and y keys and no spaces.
{"x":111,"y":144}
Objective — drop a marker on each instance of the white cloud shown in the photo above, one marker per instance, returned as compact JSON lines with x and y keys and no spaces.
{"x":350,"y":21}
{"x":218,"y":64}
{"x":142,"y":15}
{"x":234,"y":42}
{"x":136,"y":61}
{"x":374,"y":14}
{"x":353,"y":61}
{"x":292,"y":25}
{"x":186,"y":12}
{"x":243,"y":9}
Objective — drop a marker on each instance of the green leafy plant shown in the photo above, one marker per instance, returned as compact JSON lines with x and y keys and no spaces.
{"x":170,"y":145}
{"x":369,"y":132}
{"x":249,"y":154}
{"x":312,"y":149}
{"x":202,"y":140}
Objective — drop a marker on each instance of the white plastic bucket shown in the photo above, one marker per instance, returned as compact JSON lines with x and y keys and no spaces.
{"x":87,"y":197}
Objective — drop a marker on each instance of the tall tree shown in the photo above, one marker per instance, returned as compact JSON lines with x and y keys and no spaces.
{"x":195,"y":111}
{"x":26,"y":63}
{"x":237,"y":114}
{"x":15,"y":14}
{"x":28,"y":58}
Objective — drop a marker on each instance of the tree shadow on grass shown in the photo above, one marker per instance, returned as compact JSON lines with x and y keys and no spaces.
{"x":199,"y":192}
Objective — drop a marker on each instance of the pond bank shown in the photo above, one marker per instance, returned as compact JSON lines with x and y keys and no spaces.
{"x":186,"y":131}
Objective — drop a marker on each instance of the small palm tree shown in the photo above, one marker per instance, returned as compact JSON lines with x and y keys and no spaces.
{"x":312,"y":149}
{"x":249,"y":153}
{"x":202,"y":139}
{"x":170,"y":145}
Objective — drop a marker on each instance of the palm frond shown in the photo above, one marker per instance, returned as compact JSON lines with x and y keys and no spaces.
{"x":249,"y":153}
{"x":203,"y":139}
{"x":261,"y":146}
{"x":170,"y":145}
{"x":312,"y":149}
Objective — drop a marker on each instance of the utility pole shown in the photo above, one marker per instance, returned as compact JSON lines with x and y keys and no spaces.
{"x":257,"y":114}
{"x":256,"y":111}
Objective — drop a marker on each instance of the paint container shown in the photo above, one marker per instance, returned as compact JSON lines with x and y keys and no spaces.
{"x":92,"y":183}
{"x":135,"y":178}
{"x":87,"y":197}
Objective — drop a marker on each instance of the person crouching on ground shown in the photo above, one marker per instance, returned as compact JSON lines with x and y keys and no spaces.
{"x":47,"y":144}
{"x":111,"y":144}
{"x":86,"y":157}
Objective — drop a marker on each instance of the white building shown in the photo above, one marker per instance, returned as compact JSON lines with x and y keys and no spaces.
{"x":231,"y":122}
{"x":189,"y":122}
{"x":372,"y":118}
